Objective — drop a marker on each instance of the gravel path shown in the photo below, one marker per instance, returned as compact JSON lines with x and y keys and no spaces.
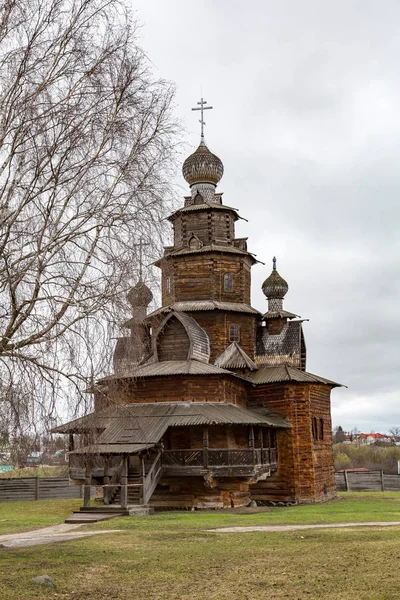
{"x":47,"y":535}
{"x":302,"y":527}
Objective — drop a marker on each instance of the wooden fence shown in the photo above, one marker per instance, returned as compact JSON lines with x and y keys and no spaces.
{"x":38,"y":488}
{"x":367,"y":481}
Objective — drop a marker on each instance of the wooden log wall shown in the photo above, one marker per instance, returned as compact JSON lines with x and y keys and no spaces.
{"x":37,"y":488}
{"x":210,"y":226}
{"x":219,"y":436}
{"x":216,"y":324}
{"x":305,"y":466}
{"x":178,"y":388}
{"x":201,"y":277}
{"x":173,"y":342}
{"x":191,"y":492}
{"x":320,"y":410}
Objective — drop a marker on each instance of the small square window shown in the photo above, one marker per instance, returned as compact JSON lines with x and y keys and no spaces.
{"x":228,"y":282}
{"x":234,"y":333}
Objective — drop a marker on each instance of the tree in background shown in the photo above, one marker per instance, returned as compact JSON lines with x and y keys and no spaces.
{"x":86,"y":139}
{"x":339,"y":435}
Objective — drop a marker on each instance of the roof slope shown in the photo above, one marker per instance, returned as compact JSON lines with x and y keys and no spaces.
{"x":202,"y":305}
{"x":147,"y":423}
{"x":204,"y":206}
{"x":280,"y":373}
{"x":170,"y":367}
{"x":234,"y":357}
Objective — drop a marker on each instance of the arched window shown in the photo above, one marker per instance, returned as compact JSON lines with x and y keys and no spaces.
{"x":228,"y":282}
{"x":234,"y":333}
{"x":194,"y":242}
{"x":321,"y":429}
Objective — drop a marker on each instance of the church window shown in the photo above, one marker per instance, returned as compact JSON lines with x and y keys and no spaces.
{"x":168,"y":285}
{"x":321,"y":429}
{"x":194,"y":242}
{"x":315,"y":429}
{"x":228,"y":282}
{"x":234,"y":333}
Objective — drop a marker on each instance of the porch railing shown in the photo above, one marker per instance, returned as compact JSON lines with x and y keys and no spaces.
{"x":221,"y":457}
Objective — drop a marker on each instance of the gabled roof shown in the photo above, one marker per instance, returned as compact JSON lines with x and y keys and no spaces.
{"x":283,"y":373}
{"x":234,"y":357}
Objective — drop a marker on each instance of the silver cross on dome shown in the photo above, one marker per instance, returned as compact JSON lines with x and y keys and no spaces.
{"x":202,"y":108}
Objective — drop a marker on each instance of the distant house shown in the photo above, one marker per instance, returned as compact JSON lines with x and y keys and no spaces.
{"x":373,"y":438}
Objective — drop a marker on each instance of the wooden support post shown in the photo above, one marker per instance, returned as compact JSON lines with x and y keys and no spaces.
{"x":205,"y":448}
{"x":37,"y":492}
{"x":142,"y":490}
{"x":260,"y":437}
{"x":71,"y":445}
{"x":251,"y":443}
{"x":124,"y":482}
{"x":106,"y":480}
{"x":382,"y":482}
{"x":261,"y":444}
{"x":346,"y":481}
{"x":88,"y":481}
{"x":143,"y":467}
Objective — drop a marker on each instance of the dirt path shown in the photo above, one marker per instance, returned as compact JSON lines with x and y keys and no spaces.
{"x":302,"y":527}
{"x":47,"y":535}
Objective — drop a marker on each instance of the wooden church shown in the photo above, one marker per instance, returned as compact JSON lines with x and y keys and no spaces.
{"x":210,"y":403}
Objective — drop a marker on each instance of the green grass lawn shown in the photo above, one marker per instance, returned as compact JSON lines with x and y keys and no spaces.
{"x":170,"y":556}
{"x":24,"y":516}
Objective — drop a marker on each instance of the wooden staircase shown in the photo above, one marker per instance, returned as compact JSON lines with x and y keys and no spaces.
{"x":134,"y":489}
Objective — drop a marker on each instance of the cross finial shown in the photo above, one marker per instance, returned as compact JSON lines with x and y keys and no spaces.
{"x":141,"y":245}
{"x":202,"y":108}
{"x":274,"y":263}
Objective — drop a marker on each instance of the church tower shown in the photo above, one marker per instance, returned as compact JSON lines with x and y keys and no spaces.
{"x":207,"y":272}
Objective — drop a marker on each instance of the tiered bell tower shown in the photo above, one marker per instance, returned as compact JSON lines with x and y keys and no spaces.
{"x":208,"y":268}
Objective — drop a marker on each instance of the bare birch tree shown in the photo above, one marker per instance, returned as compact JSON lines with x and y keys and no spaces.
{"x":86,"y":139}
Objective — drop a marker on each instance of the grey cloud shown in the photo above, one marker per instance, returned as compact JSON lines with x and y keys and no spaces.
{"x":306,"y":121}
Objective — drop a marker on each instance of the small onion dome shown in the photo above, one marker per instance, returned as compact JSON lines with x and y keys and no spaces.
{"x":140,"y":295}
{"x":275,"y":286}
{"x":202,"y":167}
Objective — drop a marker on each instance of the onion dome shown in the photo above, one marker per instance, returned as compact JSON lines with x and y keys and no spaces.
{"x":202,"y":167}
{"x":139,"y":295}
{"x":275,"y":286}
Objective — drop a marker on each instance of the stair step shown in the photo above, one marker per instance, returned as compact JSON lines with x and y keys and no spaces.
{"x":78,"y":517}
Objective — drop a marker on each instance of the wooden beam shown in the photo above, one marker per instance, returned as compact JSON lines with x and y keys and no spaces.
{"x":124,"y":482}
{"x":106,"y":479}
{"x":88,"y":481}
{"x":205,"y":447}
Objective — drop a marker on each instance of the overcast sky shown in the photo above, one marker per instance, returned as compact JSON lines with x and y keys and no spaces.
{"x":306,"y":120}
